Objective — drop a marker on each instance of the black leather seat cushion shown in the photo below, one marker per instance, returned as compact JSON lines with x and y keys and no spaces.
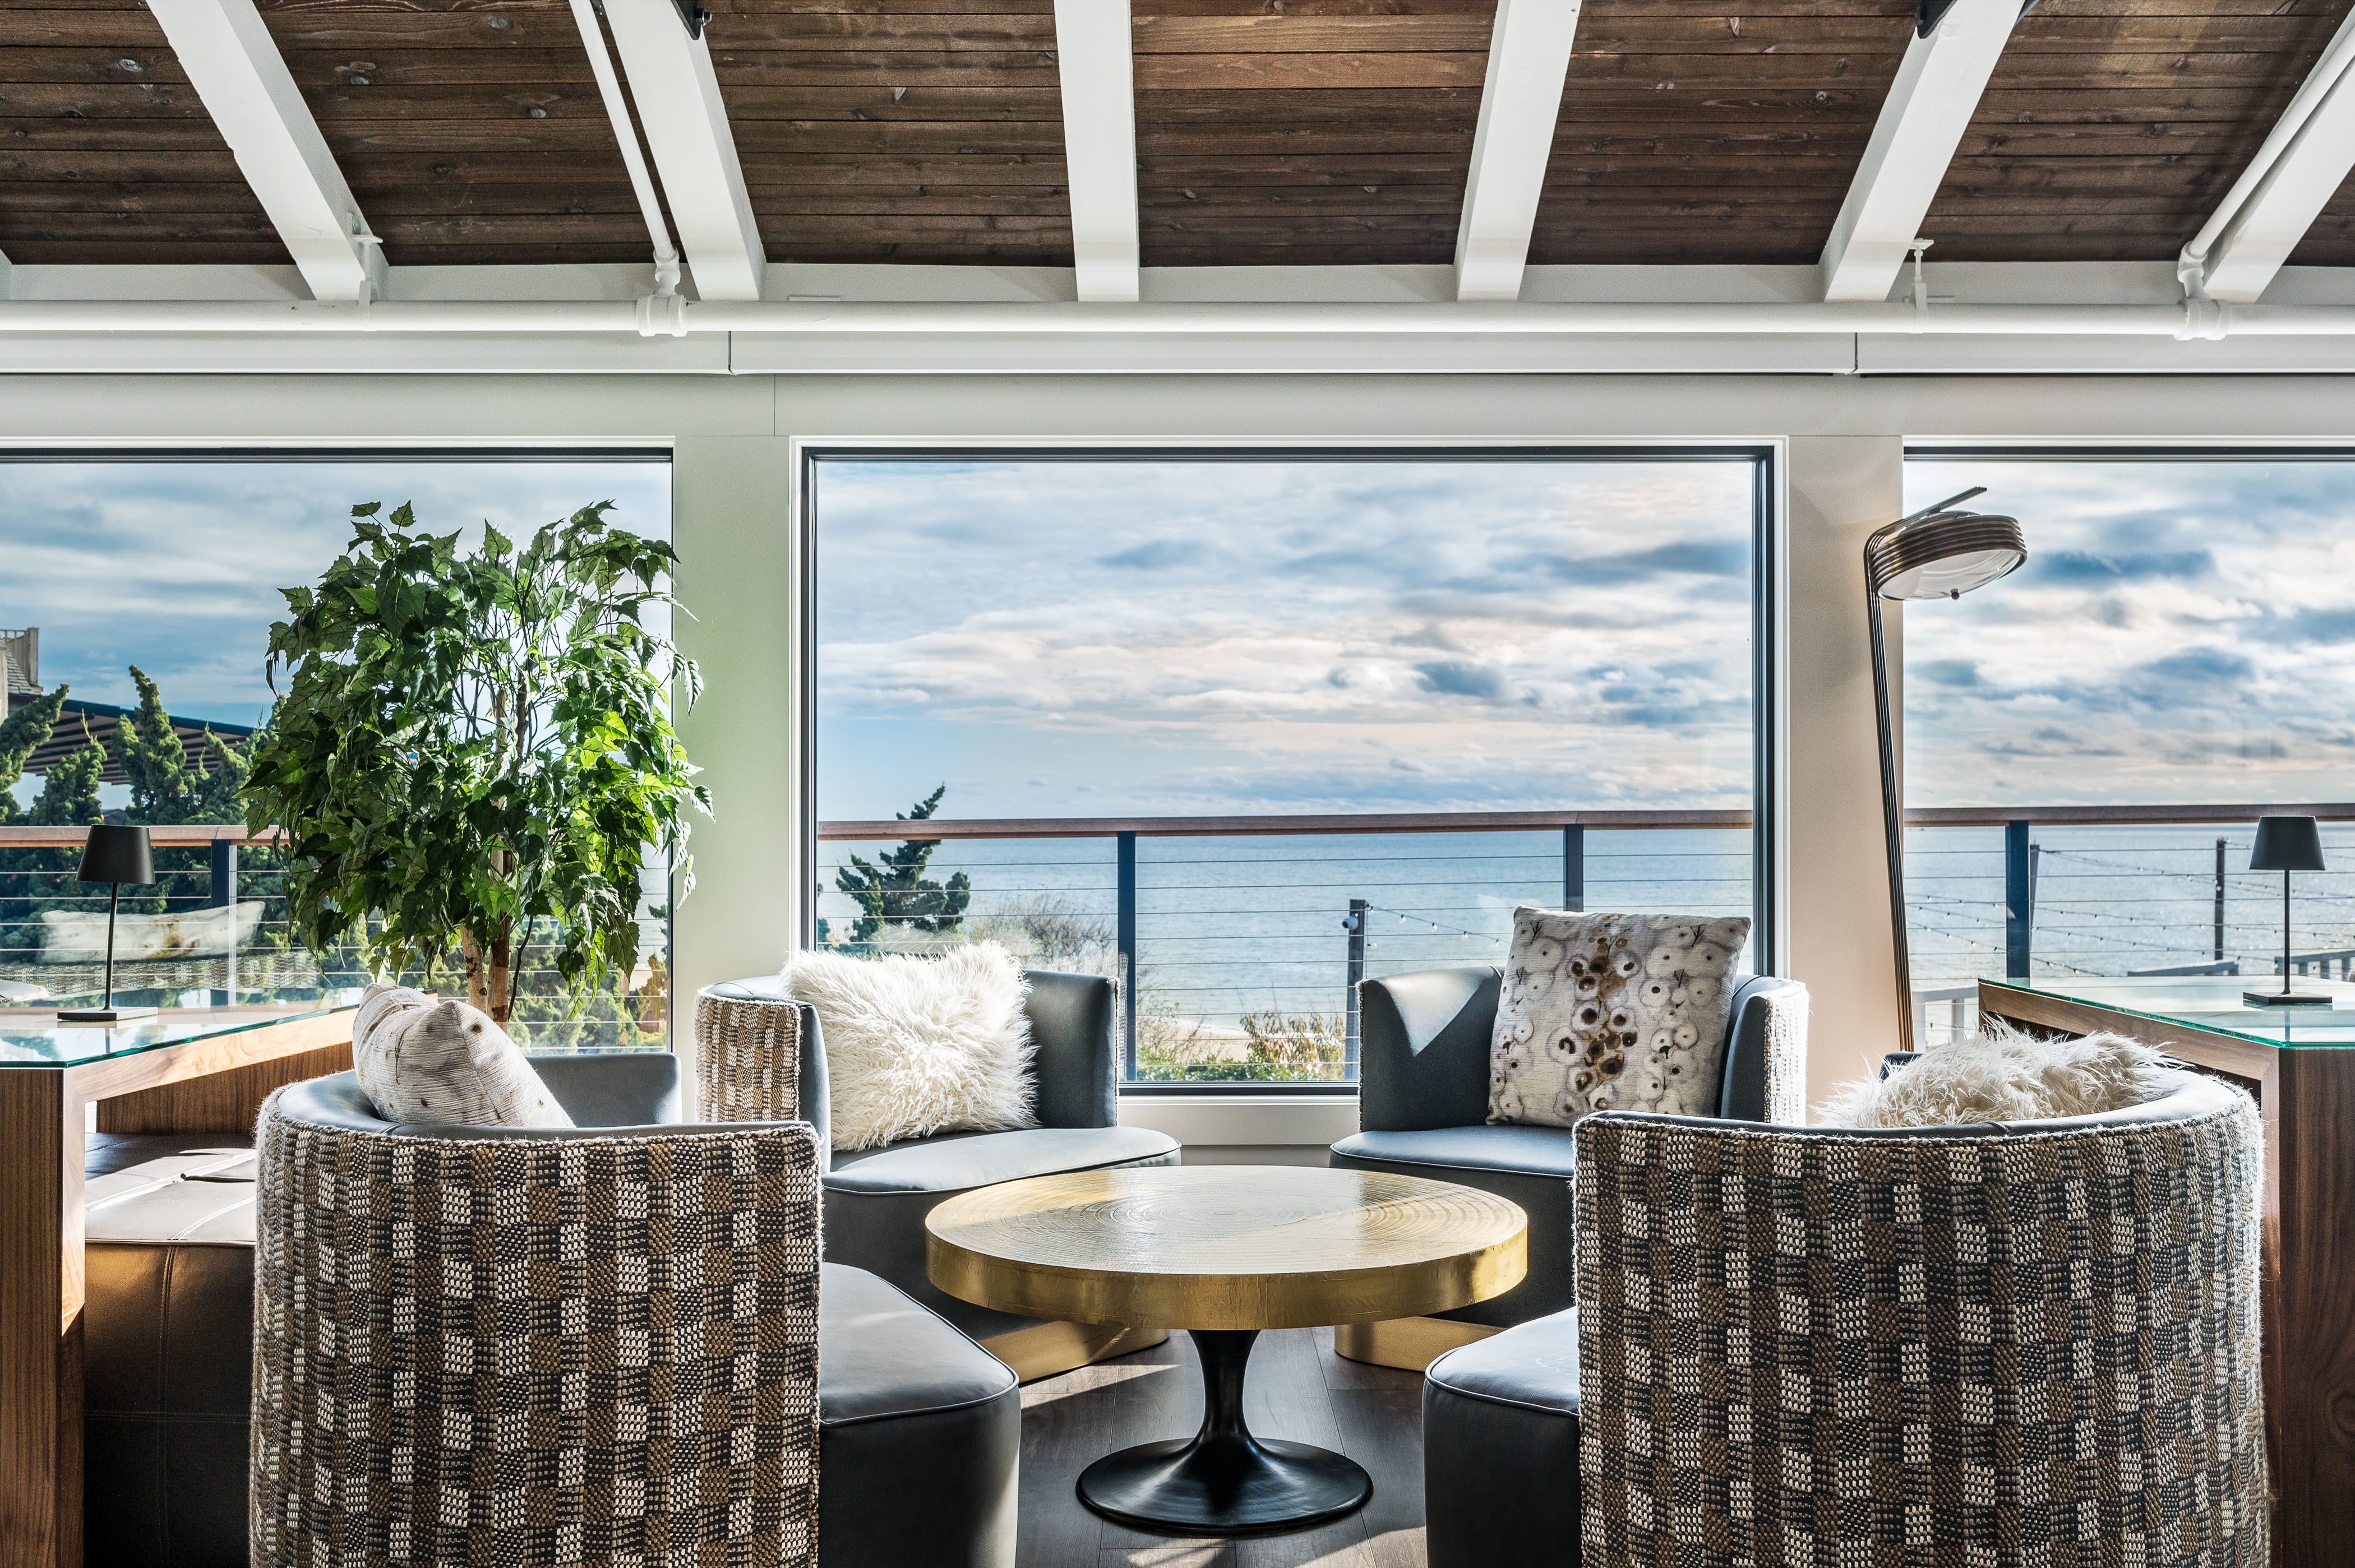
{"x":920,"y":1434}
{"x":876,"y":1200}
{"x":1500,"y":1448}
{"x":1531,"y":1166}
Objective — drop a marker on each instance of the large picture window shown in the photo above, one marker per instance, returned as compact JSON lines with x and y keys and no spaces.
{"x":148,"y":585}
{"x":1241,"y":728}
{"x":2179,"y":639}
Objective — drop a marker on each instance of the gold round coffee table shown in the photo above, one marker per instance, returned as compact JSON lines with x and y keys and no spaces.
{"x":1224,"y":1250}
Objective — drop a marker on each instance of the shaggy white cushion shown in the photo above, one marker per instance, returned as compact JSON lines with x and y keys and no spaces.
{"x":423,"y":1060}
{"x":2003,"y":1075}
{"x":917,"y":1046}
{"x":1605,"y":1012}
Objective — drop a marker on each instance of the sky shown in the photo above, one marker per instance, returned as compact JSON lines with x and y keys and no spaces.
{"x":175,"y":567}
{"x":1189,"y":637}
{"x":2183,"y":631}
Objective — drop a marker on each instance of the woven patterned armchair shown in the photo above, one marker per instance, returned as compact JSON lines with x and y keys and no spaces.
{"x":2001,"y":1345}
{"x":761,"y":1056}
{"x":612,"y":1343}
{"x":550,"y":1351}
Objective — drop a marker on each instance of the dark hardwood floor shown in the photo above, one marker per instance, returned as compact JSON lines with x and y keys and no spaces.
{"x":1297,"y":1388}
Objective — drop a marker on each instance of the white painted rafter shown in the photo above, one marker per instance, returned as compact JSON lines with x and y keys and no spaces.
{"x":677,"y":98}
{"x":1094,"y":59}
{"x":1929,"y":107}
{"x":252,"y":97}
{"x":1521,"y":102}
{"x":2298,"y":169}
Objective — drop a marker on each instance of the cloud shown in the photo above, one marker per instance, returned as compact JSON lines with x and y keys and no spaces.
{"x":1157,"y":555}
{"x":1457,"y":677}
{"x":1387,"y":619}
{"x":2089,"y":566}
{"x":1945,"y":672}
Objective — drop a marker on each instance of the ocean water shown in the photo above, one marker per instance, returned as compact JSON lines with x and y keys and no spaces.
{"x":1231,"y":926}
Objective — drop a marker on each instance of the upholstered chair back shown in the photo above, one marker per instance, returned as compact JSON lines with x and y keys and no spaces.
{"x":2022,"y":1344}
{"x":519,"y":1347}
{"x":1424,"y":1061}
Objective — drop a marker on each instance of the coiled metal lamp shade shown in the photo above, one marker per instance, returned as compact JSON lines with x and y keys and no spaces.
{"x":1942,"y":555}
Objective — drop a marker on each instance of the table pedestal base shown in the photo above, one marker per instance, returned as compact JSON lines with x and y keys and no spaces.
{"x":1224,"y":1482}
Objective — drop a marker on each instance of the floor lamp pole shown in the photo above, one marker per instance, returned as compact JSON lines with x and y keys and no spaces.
{"x":1892,"y":819}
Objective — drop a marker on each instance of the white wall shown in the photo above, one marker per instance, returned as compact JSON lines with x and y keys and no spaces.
{"x":1841,"y":439}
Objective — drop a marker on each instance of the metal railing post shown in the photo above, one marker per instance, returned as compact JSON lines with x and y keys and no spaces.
{"x":2219,"y":901}
{"x":224,"y":896}
{"x":224,"y":873}
{"x":1573,"y":868}
{"x":1125,"y":922}
{"x":2019,"y":902}
{"x":1355,"y":924}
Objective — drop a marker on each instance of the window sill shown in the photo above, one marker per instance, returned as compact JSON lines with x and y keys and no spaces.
{"x":1240,"y":1117}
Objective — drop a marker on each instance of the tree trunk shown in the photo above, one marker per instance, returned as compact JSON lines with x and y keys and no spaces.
{"x":487,"y":973}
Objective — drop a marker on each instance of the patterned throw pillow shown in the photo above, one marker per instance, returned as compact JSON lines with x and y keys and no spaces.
{"x":423,"y":1060}
{"x":1612,"y":1012}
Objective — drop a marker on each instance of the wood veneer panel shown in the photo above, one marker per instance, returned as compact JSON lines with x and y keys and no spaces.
{"x":40,"y":1322}
{"x":225,"y":1102}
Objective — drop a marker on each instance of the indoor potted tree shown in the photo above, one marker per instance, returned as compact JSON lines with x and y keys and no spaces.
{"x":472,"y":747}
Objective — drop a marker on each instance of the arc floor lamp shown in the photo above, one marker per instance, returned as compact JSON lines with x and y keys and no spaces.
{"x":1934,"y":554}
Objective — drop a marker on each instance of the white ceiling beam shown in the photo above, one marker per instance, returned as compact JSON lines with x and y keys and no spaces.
{"x":2300,"y":167}
{"x":1929,"y":107}
{"x":1529,"y":58}
{"x":237,"y":71}
{"x":1094,"y":59}
{"x":678,"y":104}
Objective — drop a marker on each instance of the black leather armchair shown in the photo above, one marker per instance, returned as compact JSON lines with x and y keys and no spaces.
{"x":170,"y":1316}
{"x":1422,"y":1102}
{"x":763,"y":1055}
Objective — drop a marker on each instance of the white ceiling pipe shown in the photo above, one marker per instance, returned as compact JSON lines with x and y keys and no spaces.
{"x":2196,"y":319}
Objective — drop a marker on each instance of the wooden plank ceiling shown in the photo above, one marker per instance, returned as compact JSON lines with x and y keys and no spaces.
{"x":1296,"y":132}
{"x":106,"y":156}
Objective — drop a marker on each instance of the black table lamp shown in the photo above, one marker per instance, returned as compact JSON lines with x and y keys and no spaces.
{"x":2287,"y":844}
{"x":114,"y":855}
{"x":1937,"y":552}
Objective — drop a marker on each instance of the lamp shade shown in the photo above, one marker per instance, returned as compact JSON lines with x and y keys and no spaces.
{"x":117,"y":855}
{"x":1942,"y":555}
{"x":2287,"y":844}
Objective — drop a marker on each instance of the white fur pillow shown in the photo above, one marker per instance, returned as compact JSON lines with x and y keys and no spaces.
{"x":2003,"y":1075}
{"x":917,"y":1046}
{"x":423,"y":1060}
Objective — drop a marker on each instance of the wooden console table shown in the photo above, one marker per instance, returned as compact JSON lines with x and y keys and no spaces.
{"x":197,"y":1071}
{"x":2299,"y":1062}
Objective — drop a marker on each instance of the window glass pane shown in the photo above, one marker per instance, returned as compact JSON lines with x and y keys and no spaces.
{"x":174,"y":568}
{"x":1100,"y":646}
{"x":2180,"y":636}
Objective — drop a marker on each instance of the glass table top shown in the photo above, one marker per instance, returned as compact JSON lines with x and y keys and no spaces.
{"x":2213,"y":1002}
{"x":31,"y":1036}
